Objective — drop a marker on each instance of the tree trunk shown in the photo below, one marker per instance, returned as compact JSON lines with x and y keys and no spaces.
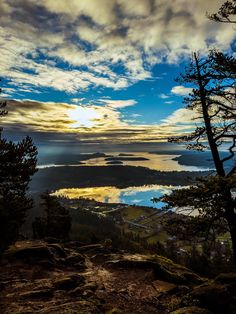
{"x":214,"y":149}
{"x":229,"y":212}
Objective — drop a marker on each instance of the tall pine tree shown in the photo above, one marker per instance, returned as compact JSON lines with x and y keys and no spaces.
{"x":17,"y":165}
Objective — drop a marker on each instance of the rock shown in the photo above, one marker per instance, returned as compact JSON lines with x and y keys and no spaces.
{"x":74,"y":307}
{"x":88,"y":293}
{"x":91,"y":248}
{"x":31,"y":253}
{"x":74,"y":244}
{"x":86,"y":290}
{"x":100,"y":258}
{"x":163,"y":268}
{"x":45,"y":255}
{"x":58,"y":250}
{"x":229,"y":280}
{"x":46,"y":264}
{"x":37,"y":294}
{"x":91,"y":286}
{"x":51,"y":240}
{"x":78,"y":291}
{"x":226,"y":278}
{"x":191,"y":310}
{"x":213,"y":296}
{"x":163,"y":287}
{"x":74,"y":259}
{"x":69,"y":282}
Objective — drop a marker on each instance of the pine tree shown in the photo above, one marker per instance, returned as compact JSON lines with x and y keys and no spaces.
{"x":225,"y":13}
{"x":214,"y":99}
{"x":57,"y":221}
{"x":17,"y":165}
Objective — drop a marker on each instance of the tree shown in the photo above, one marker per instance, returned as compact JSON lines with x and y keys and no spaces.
{"x":57,"y":221}
{"x":3,"y":112}
{"x":213,"y":99}
{"x":17,"y":165}
{"x":225,"y":12}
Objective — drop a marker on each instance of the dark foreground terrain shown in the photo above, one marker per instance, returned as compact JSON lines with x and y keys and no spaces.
{"x":38,"y":277}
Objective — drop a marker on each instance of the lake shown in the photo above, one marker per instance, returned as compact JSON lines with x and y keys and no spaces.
{"x":136,"y":195}
{"x":154,"y":161}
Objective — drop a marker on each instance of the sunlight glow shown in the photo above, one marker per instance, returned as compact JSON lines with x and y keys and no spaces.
{"x":83,"y":117}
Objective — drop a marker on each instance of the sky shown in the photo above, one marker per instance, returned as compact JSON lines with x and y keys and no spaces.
{"x":102,"y":71}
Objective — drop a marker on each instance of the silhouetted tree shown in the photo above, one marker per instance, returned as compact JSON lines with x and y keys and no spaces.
{"x":57,"y":220}
{"x":3,"y":112}
{"x":213,"y":98}
{"x":17,"y":165}
{"x":225,"y":13}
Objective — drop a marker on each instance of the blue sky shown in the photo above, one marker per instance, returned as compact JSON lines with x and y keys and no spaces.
{"x":102,"y":71}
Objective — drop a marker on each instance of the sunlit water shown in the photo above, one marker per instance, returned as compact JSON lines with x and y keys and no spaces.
{"x":141,"y":195}
{"x":154,"y":161}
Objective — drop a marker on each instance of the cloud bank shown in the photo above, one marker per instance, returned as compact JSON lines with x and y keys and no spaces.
{"x":72,"y":45}
{"x":89,"y":123}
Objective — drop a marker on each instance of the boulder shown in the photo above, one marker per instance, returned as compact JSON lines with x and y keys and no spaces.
{"x":226,"y":278}
{"x":213,"y":296}
{"x":163,"y":268}
{"x":31,"y":253}
{"x":57,"y":250}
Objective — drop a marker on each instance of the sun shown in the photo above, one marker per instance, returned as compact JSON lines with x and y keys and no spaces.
{"x":83,"y":116}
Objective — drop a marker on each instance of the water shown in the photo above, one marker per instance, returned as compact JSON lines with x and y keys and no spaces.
{"x":141,"y":195}
{"x":161,"y":162}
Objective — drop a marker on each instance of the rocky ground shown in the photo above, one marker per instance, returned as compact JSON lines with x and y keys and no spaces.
{"x":41,"y":277}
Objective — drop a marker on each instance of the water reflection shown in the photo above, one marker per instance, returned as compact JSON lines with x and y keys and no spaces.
{"x":161,"y":162}
{"x":140,"y":195}
{"x":153,"y":161}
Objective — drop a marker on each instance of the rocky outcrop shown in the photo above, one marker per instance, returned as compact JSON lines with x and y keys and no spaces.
{"x":42,"y":277}
{"x":216,"y":296}
{"x":162,"y":268}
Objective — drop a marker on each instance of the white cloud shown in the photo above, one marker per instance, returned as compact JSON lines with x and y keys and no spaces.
{"x":77,"y":100}
{"x":163,"y":96}
{"x":85,"y":123}
{"x":94,"y":37}
{"x":135,"y":115}
{"x":182,"y":116}
{"x":118,"y":103}
{"x":181,"y":90}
